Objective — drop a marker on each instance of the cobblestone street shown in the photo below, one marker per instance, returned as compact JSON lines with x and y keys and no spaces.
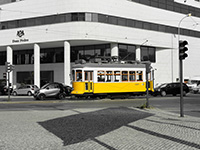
{"x":141,"y":129}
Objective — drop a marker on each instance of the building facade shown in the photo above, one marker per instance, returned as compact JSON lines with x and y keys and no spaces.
{"x":42,"y":38}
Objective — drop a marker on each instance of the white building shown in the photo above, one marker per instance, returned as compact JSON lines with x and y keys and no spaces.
{"x":42,"y":37}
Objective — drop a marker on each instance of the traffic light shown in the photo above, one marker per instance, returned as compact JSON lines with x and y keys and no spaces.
{"x":183,"y":49}
{"x":4,"y":75}
{"x":9,"y":67}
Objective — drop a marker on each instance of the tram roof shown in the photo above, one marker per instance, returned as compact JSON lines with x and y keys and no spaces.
{"x":108,"y":65}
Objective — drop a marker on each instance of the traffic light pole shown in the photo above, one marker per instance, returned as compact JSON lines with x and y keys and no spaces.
{"x":181,"y":69}
{"x":8,"y":68}
{"x":181,"y":88}
{"x":8,"y":86}
{"x":180,"y":74}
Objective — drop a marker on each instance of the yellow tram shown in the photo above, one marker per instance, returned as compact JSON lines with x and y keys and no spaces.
{"x":104,"y":80}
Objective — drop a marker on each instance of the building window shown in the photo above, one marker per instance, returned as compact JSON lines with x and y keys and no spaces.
{"x":3,"y":58}
{"x":25,"y":77}
{"x":23,"y":57}
{"x":52,"y":55}
{"x":59,"y":55}
{"x":148,"y":54}
{"x":90,"y":52}
{"x":47,"y":56}
{"x":127,"y":52}
{"x":78,"y":17}
{"x":103,"y":18}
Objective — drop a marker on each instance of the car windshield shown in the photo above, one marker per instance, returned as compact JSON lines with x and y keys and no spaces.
{"x":44,"y":86}
{"x":162,"y":85}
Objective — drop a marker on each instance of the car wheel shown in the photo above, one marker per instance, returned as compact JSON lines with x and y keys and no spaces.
{"x":15,"y":93}
{"x":61,"y":96}
{"x":174,"y":94}
{"x":163,"y":93}
{"x":29,"y":93}
{"x":195,"y":92}
{"x":41,"y":97}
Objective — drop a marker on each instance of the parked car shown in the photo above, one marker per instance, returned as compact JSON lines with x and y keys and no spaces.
{"x":4,"y":88}
{"x":196,"y":89}
{"x":55,"y":89}
{"x":25,"y":90}
{"x":170,"y":88}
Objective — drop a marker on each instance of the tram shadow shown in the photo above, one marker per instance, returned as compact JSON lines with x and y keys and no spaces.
{"x":80,"y":127}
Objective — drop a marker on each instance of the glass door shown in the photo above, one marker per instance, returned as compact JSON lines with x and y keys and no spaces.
{"x":88,"y":81}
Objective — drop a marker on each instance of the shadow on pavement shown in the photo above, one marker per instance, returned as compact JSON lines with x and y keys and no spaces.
{"x":78,"y":128}
{"x":191,"y":144}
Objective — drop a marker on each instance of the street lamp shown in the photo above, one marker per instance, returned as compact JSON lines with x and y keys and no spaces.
{"x":181,"y":67}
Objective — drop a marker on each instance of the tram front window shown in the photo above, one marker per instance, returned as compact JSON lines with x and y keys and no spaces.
{"x":79,"y":75}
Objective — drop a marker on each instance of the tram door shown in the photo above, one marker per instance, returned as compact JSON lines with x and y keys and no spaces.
{"x":88,"y":81}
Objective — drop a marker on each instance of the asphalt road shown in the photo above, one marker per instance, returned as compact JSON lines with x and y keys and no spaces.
{"x":98,"y":124}
{"x":168,"y":103}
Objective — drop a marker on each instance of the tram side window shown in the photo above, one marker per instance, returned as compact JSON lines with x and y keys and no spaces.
{"x":101,"y":76}
{"x":124,"y":75}
{"x":139,"y":76}
{"x":132,"y":75}
{"x":79,"y":75}
{"x":116,"y":76}
{"x":109,"y":76}
{"x":86,"y":76}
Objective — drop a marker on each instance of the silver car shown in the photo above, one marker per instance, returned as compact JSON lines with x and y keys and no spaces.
{"x":55,"y":89}
{"x":25,"y":90}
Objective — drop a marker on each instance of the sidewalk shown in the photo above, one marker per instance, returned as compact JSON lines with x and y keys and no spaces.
{"x":162,"y":131}
{"x":149,"y":129}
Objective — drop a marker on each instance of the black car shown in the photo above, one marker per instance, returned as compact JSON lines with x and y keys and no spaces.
{"x":170,"y":88}
{"x":55,"y":90}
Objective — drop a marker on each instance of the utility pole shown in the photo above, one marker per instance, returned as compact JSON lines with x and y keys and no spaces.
{"x":148,"y":70}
